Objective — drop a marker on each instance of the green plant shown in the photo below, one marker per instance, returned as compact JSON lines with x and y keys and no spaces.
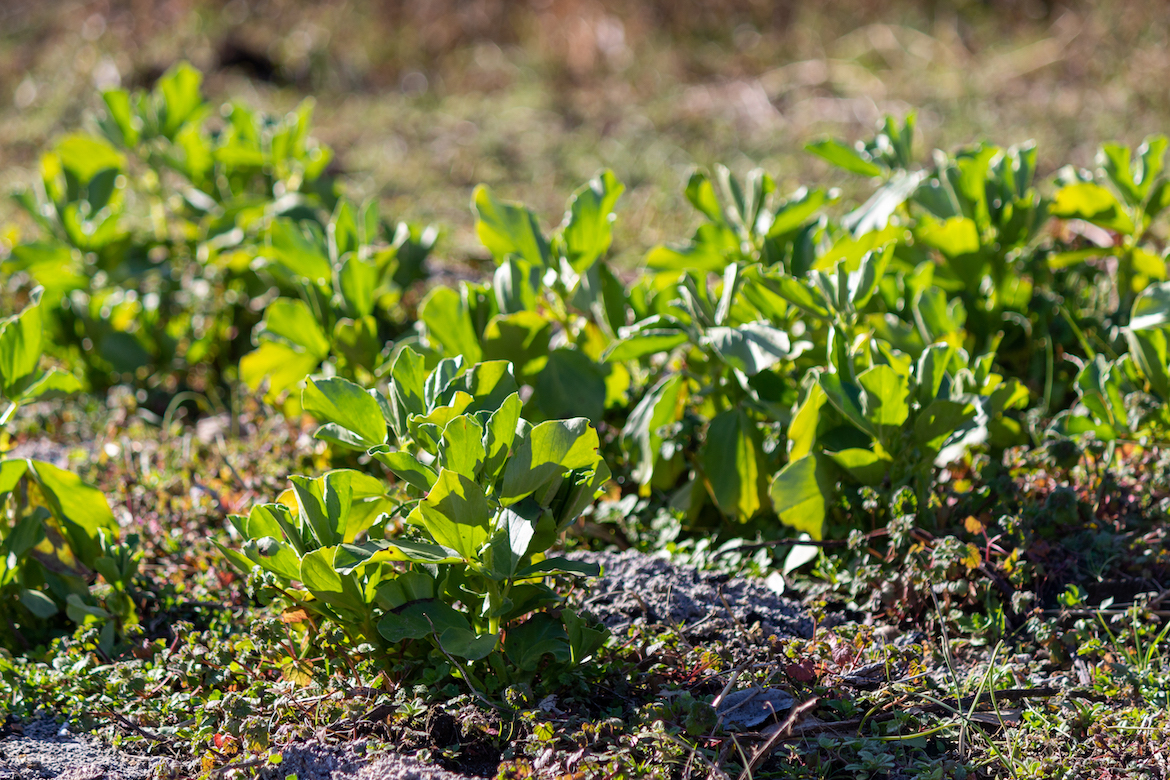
{"x":1137,"y":177}
{"x":887,"y":421}
{"x":21,"y":348}
{"x":744,"y":226}
{"x":1126,"y":399}
{"x":144,"y":252}
{"x":721,"y":356}
{"x":486,"y":494}
{"x":551,"y":309}
{"x":58,"y":533}
{"x":342,"y":275}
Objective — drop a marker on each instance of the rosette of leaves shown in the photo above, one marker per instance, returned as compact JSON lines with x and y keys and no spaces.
{"x":486,"y":495}
{"x":342,"y":283}
{"x":551,"y":308}
{"x":58,"y":533}
{"x":879,"y":418}
{"x":724,"y":365}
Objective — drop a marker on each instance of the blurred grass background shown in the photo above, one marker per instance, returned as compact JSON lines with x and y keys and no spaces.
{"x":422,"y":99}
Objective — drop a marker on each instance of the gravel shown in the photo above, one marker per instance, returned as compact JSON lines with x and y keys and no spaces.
{"x":43,"y":748}
{"x":310,"y":761}
{"x":636,"y":589}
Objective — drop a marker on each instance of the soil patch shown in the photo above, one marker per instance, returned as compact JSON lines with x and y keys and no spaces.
{"x":639,"y":589}
{"x":44,"y":748}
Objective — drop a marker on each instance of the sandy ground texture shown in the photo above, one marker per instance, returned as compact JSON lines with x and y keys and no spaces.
{"x":45,"y":749}
{"x":633,"y":589}
{"x":638,"y":589}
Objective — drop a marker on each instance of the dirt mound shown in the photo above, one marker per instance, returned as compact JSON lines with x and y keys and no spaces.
{"x":637,"y":588}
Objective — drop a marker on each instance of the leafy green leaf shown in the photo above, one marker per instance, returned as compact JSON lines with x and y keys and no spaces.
{"x":642,"y":434}
{"x":584,"y":639}
{"x":799,"y":495}
{"x":498,"y":435}
{"x":846,"y":398}
{"x":407,"y":381}
{"x":550,"y":449}
{"x":528,"y":643}
{"x":521,"y":338}
{"x":85,"y":156}
{"x":751,"y":348}
{"x":467,"y":644}
{"x":448,"y":322}
{"x":875,"y":213}
{"x":515,"y":528}
{"x":940,"y":420}
{"x":406,"y":587}
{"x":1092,"y":203}
{"x":275,"y":556}
{"x":50,"y":384}
{"x":560,"y":566}
{"x":179,"y":87}
{"x":283,"y":366}
{"x":324,"y":503}
{"x":80,"y":508}
{"x":733,"y":464}
{"x":884,"y":396}
{"x":291,"y":320}
{"x":866,"y":466}
{"x":645,"y":342}
{"x":462,"y":449}
{"x":843,"y":157}
{"x":20,"y":343}
{"x":421,"y":618}
{"x":301,"y":255}
{"x":588,"y":230}
{"x":490,"y":383}
{"x":358,"y":280}
{"x":1151,"y":308}
{"x":571,"y":385}
{"x":406,"y":467}
{"x":339,"y":401}
{"x":508,"y":228}
{"x":38,"y":603}
{"x":457,"y":514}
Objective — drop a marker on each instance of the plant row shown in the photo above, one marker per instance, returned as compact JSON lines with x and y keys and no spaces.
{"x":793,"y":353}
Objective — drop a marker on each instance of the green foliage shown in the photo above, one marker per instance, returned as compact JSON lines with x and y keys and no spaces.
{"x":159,"y":235}
{"x":348,"y":283}
{"x":147,"y":229}
{"x":58,"y":533}
{"x":551,"y":308}
{"x":21,"y":347}
{"x":483,"y":495}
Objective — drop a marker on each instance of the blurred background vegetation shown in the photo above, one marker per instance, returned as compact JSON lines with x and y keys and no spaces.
{"x":422,"y":99}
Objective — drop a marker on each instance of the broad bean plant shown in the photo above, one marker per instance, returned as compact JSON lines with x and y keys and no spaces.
{"x":482,"y":495}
